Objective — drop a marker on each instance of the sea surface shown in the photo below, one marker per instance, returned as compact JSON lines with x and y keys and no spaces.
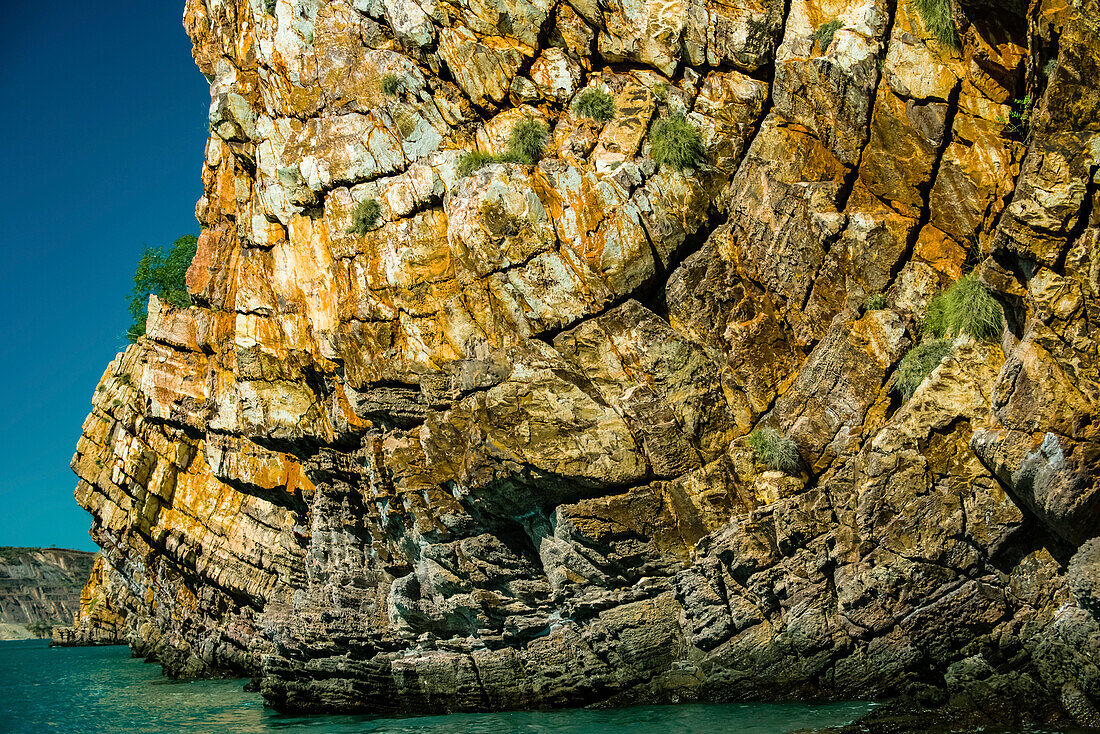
{"x":103,"y":690}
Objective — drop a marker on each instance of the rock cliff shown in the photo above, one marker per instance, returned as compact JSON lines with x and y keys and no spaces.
{"x":98,"y":619}
{"x":492,"y":450}
{"x":40,"y":586}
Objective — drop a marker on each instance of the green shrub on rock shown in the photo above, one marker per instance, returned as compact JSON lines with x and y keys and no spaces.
{"x":939,"y":19}
{"x":391,"y":85}
{"x":919,"y":362}
{"x":875,"y":302}
{"x":475,"y":160}
{"x":677,"y":143}
{"x":967,"y":307}
{"x":365,"y":216}
{"x":525,"y":145}
{"x":594,"y":103}
{"x":825,"y":32}
{"x":163,"y":273}
{"x":269,"y":6}
{"x":472,"y":160}
{"x":774,"y":450}
{"x":935,"y":320}
{"x":528,"y":141}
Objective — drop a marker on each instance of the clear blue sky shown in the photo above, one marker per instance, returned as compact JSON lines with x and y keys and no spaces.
{"x":101,"y":145}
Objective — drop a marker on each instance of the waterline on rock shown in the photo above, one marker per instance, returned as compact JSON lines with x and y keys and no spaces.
{"x":103,"y":689}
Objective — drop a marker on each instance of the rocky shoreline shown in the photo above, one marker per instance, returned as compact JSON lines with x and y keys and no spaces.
{"x":508,"y":437}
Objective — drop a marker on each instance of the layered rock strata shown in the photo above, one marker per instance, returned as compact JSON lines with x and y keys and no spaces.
{"x":493,"y":453}
{"x":99,"y":619}
{"x":40,"y":586}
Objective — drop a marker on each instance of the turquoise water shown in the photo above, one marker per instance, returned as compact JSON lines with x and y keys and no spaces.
{"x":103,"y":689}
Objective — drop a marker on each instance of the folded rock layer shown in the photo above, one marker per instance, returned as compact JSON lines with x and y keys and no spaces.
{"x":493,"y":452}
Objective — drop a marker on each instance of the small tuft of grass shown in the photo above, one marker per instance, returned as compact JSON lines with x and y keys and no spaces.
{"x":875,"y":302}
{"x":1049,"y":68}
{"x":940,"y":21}
{"x":774,"y":450}
{"x":365,"y":216}
{"x":269,"y":6}
{"x":660,"y":92}
{"x":919,"y":362}
{"x":825,"y":32}
{"x":935,"y":318}
{"x":391,"y":85}
{"x":473,"y":160}
{"x":528,"y":140}
{"x":525,"y":145}
{"x":677,"y":143}
{"x":967,"y":307}
{"x":594,"y":103}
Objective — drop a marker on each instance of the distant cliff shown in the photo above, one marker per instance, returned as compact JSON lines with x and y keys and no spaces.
{"x":40,"y":586}
{"x":776,"y":374}
{"x":99,"y":619}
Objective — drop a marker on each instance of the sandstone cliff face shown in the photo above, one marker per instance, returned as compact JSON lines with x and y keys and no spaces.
{"x":40,"y":585}
{"x":493,"y":453}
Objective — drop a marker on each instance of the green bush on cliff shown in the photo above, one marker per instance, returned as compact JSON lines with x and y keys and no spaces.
{"x":594,"y":103}
{"x":939,"y":20}
{"x":967,"y":307}
{"x":473,"y":160}
{"x":677,"y":143}
{"x":875,"y":302}
{"x":774,"y":450}
{"x":366,"y":215}
{"x":919,"y":362}
{"x":525,"y":145}
{"x":164,"y":274}
{"x":528,"y":140}
{"x":825,"y":32}
{"x":934,"y":321}
{"x":269,"y":6}
{"x":391,"y":85}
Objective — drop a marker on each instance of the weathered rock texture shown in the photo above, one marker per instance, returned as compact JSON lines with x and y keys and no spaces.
{"x":40,"y":586}
{"x":492,"y":454}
